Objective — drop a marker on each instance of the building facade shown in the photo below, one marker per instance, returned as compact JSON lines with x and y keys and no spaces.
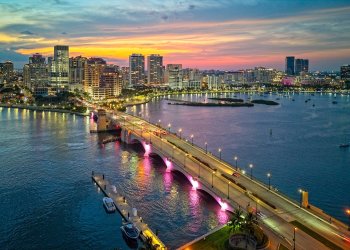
{"x":76,"y":71}
{"x":301,"y":66}
{"x":136,"y":69}
{"x":173,"y":76}
{"x":345,"y":72}
{"x":155,"y":72}
{"x":35,"y":73}
{"x":289,"y":68}
{"x":59,"y":67}
{"x":6,"y":72}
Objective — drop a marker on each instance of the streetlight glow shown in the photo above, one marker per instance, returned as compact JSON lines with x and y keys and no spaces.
{"x":251,"y":171}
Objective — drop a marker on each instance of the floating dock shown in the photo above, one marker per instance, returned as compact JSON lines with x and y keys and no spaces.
{"x":126,"y":211}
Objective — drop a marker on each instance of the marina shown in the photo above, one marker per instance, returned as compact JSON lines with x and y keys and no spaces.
{"x":129,"y":213}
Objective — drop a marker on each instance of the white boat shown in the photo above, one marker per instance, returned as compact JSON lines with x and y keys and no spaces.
{"x":130,"y":231}
{"x":109,"y":204}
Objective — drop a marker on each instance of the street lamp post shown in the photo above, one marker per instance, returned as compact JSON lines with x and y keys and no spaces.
{"x":269,"y":176}
{"x":159,"y":122}
{"x":251,"y":171}
{"x":301,"y":197}
{"x":180,"y":130}
{"x":348,"y":212}
{"x":199,"y":170}
{"x":236,"y":158}
{"x":219,"y":153}
{"x":169,"y":126}
{"x":295,"y":229}
{"x":228,"y":190}
{"x":206,"y":147}
{"x":192,"y":138}
{"x":212,"y":179}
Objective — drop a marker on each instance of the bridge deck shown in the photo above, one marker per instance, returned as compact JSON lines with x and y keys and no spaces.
{"x":280,"y":210}
{"x":125,"y":209}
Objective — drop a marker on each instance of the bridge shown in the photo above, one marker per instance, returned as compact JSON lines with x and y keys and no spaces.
{"x":232,"y":188}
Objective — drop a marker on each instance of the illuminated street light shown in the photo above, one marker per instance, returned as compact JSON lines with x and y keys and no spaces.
{"x":348,"y":213}
{"x":192,"y":138}
{"x":269,"y":176}
{"x":236,"y":158}
{"x":251,"y":171}
{"x":301,"y":196}
{"x":159,"y":122}
{"x":295,"y":229}
{"x":212,"y":178}
{"x":169,"y":126}
{"x":180,"y":130}
{"x":228,"y":190}
{"x":219,"y":153}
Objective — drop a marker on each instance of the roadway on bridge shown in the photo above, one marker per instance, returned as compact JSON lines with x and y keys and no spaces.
{"x":184,"y":153}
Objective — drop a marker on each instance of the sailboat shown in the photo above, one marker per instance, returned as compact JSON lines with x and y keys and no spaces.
{"x":344,"y":145}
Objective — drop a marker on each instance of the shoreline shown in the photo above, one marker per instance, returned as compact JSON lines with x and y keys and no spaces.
{"x":34,"y":108}
{"x":163,"y":95}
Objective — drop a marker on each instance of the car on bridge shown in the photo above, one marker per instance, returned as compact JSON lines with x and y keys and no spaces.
{"x":235,"y":174}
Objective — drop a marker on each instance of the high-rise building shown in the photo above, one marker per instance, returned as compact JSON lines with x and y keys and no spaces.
{"x":76,"y":71}
{"x":155,"y":69}
{"x":102,"y":80}
{"x":289,"y":69}
{"x":6,"y":71}
{"x":136,"y":69}
{"x":59,"y":67}
{"x":124,"y":71}
{"x":301,"y":66}
{"x":35,"y":73}
{"x":345,"y":72}
{"x":173,"y":76}
{"x":92,"y":72}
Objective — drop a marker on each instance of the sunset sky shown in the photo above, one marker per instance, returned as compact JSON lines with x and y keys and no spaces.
{"x":205,"y":34}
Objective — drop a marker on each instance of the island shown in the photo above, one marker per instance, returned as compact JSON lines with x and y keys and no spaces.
{"x":266,"y":102}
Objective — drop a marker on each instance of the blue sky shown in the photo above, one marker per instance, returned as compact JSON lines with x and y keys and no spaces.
{"x":222,"y":34}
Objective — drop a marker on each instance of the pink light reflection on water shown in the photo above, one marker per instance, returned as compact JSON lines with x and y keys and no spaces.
{"x":168,"y":180}
{"x":223,"y":216}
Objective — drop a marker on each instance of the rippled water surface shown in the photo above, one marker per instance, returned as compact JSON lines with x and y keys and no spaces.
{"x":48,"y":201}
{"x":301,"y":151}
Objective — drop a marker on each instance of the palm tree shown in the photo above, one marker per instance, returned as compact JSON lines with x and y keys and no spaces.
{"x":237,"y":220}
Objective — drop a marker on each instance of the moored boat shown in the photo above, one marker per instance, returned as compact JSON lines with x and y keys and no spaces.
{"x":109,"y":204}
{"x":130,"y":231}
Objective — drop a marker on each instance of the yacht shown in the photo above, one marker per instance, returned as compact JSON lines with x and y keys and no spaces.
{"x":344,"y":145}
{"x":109,"y":204}
{"x":130,"y":231}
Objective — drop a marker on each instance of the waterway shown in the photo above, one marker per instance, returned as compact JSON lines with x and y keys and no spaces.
{"x":297,"y":142}
{"x":47,"y":199}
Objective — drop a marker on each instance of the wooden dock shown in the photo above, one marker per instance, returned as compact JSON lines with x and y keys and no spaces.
{"x":126,"y":210}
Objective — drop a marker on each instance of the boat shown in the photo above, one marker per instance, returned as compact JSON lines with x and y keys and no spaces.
{"x":109,"y":204}
{"x":130,"y":231}
{"x":344,"y":145}
{"x":334,"y":102}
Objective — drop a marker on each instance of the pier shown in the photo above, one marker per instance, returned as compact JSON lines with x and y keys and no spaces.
{"x":126,"y":210}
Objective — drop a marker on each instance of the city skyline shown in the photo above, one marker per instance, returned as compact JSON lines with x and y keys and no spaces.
{"x":227,"y":35}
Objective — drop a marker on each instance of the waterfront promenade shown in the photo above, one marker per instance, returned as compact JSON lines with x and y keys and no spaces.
{"x":279,"y":217}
